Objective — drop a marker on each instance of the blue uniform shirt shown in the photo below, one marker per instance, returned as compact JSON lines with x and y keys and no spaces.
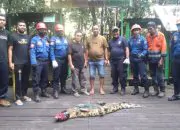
{"x":117,"y":48}
{"x":58,"y":48}
{"x":175,"y":46}
{"x":39,"y":49}
{"x":138,"y":47}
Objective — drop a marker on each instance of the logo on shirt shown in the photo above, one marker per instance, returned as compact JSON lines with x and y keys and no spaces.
{"x":23,"y":41}
{"x":119,"y":42}
{"x":175,"y":38}
{"x":138,"y":42}
{"x":58,"y":41}
{"x":39,"y":43}
{"x":3,"y":37}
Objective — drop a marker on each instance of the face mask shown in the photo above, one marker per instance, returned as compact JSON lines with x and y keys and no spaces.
{"x":41,"y":34}
{"x":59,"y":33}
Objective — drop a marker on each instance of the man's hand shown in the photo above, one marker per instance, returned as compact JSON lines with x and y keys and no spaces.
{"x":106,"y":62}
{"x":11,"y":65}
{"x":126,"y":61}
{"x":72,"y":67}
{"x":140,"y":56}
{"x":160,"y":64}
{"x":54,"y":64}
{"x":85,"y":64}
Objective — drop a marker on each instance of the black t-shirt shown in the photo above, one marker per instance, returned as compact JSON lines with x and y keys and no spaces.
{"x":20,"y":48}
{"x":77,"y":51}
{"x":5,"y":39}
{"x":117,"y":48}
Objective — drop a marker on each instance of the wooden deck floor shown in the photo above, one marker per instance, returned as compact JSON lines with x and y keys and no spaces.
{"x":156,"y":114}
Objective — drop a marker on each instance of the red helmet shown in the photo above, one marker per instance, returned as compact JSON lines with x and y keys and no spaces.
{"x":59,"y":27}
{"x":136,"y":26}
{"x":41,"y":25}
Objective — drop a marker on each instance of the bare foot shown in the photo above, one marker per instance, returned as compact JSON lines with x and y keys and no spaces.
{"x":91,"y":92}
{"x":102,"y":92}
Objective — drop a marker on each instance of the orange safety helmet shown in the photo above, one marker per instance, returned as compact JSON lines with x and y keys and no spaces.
{"x":59,"y":27}
{"x":41,"y":25}
{"x":178,"y":21}
{"x":136,"y":26}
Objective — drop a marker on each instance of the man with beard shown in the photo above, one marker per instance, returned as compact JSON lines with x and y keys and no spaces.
{"x":5,"y":39}
{"x":19,"y":62}
{"x":59,"y":58}
{"x":39,"y":57}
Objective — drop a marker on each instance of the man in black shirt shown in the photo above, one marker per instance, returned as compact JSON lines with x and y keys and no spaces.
{"x":77,"y":62}
{"x":4,"y":40}
{"x":19,"y":62}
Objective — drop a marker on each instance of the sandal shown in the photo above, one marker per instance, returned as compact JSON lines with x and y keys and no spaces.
{"x":4,"y":103}
{"x":19,"y":102}
{"x":27,"y":99}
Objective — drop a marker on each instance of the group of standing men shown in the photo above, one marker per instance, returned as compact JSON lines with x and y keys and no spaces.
{"x":25,"y":54}
{"x":140,"y":51}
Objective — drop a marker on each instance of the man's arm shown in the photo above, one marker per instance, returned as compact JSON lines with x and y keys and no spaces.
{"x":11,"y":64}
{"x":127,"y":52}
{"x":70,"y":62}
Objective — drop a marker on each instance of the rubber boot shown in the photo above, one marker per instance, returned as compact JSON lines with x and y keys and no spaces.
{"x":123,"y":91}
{"x":36,"y":97}
{"x":64,"y":90}
{"x":56,"y":94}
{"x":135,"y":91}
{"x":45,"y":94}
{"x":146,"y":93}
{"x":156,"y":91}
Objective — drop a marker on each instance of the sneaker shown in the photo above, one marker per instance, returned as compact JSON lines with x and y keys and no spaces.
{"x":174,"y":98}
{"x":4,"y":103}
{"x":161,"y":94}
{"x":85,"y":92}
{"x":27,"y":99}
{"x":18,"y":102}
{"x":76,"y":94}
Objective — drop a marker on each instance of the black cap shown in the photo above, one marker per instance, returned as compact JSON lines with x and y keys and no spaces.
{"x":151,"y":24}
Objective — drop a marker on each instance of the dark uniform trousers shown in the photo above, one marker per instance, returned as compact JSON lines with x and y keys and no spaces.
{"x":60,"y":74}
{"x":118,"y":72}
{"x":176,"y":77}
{"x":40,"y":76}
{"x":22,"y":83}
{"x":139,"y":70}
{"x":3,"y":78}
{"x":157,"y":75}
{"x":78,"y":75}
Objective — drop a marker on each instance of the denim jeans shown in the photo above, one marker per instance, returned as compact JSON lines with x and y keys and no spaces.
{"x":99,"y":64}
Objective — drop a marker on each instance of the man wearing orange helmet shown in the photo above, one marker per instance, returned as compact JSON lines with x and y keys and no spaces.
{"x":138,"y":51}
{"x":59,"y":55}
{"x":39,"y":57}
